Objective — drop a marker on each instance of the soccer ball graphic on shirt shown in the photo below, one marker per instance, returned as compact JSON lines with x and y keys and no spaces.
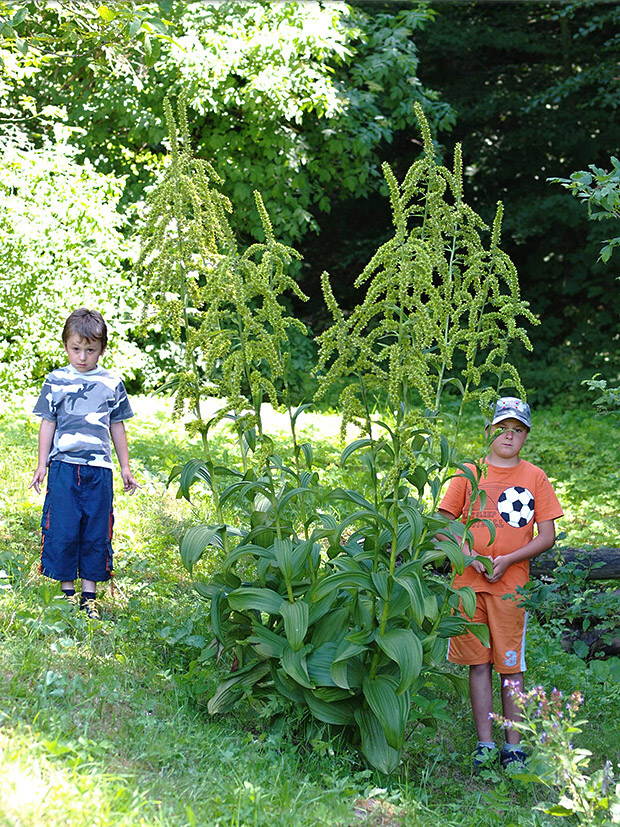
{"x":516,"y":506}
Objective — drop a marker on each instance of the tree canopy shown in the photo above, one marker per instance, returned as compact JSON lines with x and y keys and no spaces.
{"x":304,"y":101}
{"x":294,"y":98}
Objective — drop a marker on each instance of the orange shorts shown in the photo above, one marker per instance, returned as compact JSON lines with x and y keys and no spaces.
{"x":507,"y":623}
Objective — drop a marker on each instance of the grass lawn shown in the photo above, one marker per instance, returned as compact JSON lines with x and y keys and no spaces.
{"x":106,"y":723}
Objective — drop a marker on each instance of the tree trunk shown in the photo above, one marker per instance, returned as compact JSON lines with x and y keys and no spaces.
{"x":600,"y":563}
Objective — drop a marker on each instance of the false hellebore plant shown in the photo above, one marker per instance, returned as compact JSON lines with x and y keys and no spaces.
{"x":222,"y":306}
{"x":343,"y":613}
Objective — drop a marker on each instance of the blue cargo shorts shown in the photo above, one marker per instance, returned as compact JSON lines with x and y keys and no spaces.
{"x":77,"y":522}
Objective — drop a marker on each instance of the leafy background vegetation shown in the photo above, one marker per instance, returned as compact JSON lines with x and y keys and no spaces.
{"x":528,"y":88}
{"x":303,"y":101}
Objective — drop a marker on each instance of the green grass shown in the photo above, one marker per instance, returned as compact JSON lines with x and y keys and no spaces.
{"x":106,"y":724}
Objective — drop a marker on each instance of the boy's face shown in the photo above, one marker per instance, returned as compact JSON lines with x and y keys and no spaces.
{"x":508,"y":438}
{"x":83,"y":353}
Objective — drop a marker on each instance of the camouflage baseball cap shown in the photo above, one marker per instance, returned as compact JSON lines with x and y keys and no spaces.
{"x":510,"y":407}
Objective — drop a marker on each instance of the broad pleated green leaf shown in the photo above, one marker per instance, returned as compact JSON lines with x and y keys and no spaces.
{"x":415,"y":522}
{"x":392,"y":710}
{"x":415,"y":591}
{"x":452,"y":626}
{"x":268,"y":644}
{"x":295,"y":622}
{"x":362,"y":637}
{"x":468,"y":599}
{"x":306,"y":449}
{"x":195,"y":469}
{"x":453,"y":553}
{"x":196,"y":540}
{"x":214,"y":616}
{"x":262,"y":600}
{"x":374,"y":744}
{"x":380,"y":581}
{"x":481,"y":631}
{"x":294,"y":492}
{"x":294,"y":664}
{"x":399,"y":601}
{"x":431,"y":608}
{"x":321,"y":607}
{"x":348,"y":649}
{"x":231,"y":689}
{"x":341,"y":580}
{"x":349,"y":495}
{"x":286,"y":686}
{"x":352,"y":447}
{"x":368,"y":515}
{"x":343,"y":656}
{"x":331,"y":626}
{"x":207,"y":590}
{"x":283,"y":551}
{"x":247,"y":549}
{"x":339,"y":673}
{"x":337,"y":712}
{"x":404,"y":648}
{"x":319,"y":663}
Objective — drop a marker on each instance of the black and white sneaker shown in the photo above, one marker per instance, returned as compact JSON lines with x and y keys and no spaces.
{"x":90,"y":607}
{"x":514,"y":758}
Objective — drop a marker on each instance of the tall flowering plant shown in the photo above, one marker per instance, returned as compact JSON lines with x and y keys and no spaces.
{"x":346,"y":616}
{"x":224,"y":308}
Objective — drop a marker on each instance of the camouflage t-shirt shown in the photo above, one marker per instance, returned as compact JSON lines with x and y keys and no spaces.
{"x":83,"y":405}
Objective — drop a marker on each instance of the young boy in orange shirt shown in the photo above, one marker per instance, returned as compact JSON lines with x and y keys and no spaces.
{"x":518,"y":495}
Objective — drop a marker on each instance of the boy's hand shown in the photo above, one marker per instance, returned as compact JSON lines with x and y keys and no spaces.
{"x":37,"y":479}
{"x":500,"y":567}
{"x":479,"y":566}
{"x":129,"y":483}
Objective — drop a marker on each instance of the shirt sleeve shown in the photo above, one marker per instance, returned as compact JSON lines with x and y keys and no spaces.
{"x":45,"y":407}
{"x":547,"y":505}
{"x":121,"y":409}
{"x":453,"y":500}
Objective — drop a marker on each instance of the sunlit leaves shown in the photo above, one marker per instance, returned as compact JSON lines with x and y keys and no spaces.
{"x":62,"y":248}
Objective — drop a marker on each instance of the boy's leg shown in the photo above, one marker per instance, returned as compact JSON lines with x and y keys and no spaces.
{"x":96,"y":527}
{"x":68,"y":588}
{"x":481,"y":695}
{"x":60,"y":526}
{"x":509,"y":708}
{"x":87,"y":600}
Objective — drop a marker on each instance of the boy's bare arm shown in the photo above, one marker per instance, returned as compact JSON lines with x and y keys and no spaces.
{"x":47,"y":429}
{"x":543,"y":540}
{"x":119,"y":438}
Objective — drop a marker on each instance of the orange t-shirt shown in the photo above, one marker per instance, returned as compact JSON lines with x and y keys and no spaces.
{"x":517,"y":497}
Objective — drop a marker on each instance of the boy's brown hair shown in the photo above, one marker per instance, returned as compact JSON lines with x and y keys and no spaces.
{"x":86,"y":324}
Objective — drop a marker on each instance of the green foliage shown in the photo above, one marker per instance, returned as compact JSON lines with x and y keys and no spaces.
{"x":224,"y":304}
{"x":294,"y":99}
{"x":549,"y":724}
{"x":535,"y":88}
{"x":63,"y":248}
{"x":297,"y":99}
{"x":338,"y":607}
{"x":608,"y":399}
{"x":336,"y":626}
{"x":131,"y":694}
{"x":433,"y":292}
{"x":601,"y":191}
{"x":571,"y":606}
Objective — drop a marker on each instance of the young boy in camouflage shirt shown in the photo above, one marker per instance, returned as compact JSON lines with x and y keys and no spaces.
{"x":81,"y":406}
